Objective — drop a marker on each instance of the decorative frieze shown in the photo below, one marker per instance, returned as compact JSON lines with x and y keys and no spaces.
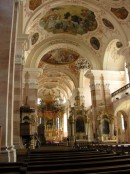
{"x":95,"y":86}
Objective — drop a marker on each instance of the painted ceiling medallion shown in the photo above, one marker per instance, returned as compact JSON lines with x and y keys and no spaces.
{"x":69,"y":19}
{"x":107,"y":23}
{"x":120,"y":13}
{"x":33,"y":4}
{"x":34,"y":38}
{"x":95,"y":43}
{"x":60,"y":56}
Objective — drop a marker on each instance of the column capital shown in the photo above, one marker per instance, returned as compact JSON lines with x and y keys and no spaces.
{"x":19,"y":59}
{"x":106,"y":85}
{"x":95,"y":86}
{"x":34,"y":72}
{"x":23,"y":39}
{"x":88,"y":74}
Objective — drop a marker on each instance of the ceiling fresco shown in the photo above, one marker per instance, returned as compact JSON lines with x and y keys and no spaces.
{"x":120,"y":13}
{"x":107,"y":23}
{"x":33,"y":4}
{"x":95,"y":43}
{"x":55,"y":81}
{"x":61,"y":56}
{"x":87,"y":29}
{"x":69,"y":19}
{"x":34,"y":38}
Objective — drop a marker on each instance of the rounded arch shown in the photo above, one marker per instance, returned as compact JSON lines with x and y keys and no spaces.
{"x":61,"y":41}
{"x":122,"y":126}
{"x":112,"y":59}
{"x":123,"y":106}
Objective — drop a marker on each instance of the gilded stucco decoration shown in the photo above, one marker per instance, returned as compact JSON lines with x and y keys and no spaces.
{"x":120,"y":13}
{"x":69,"y":19}
{"x":33,"y":4}
{"x":60,"y":56}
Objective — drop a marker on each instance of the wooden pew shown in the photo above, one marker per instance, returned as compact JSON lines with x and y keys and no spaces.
{"x":87,"y":169}
{"x":64,"y":164}
{"x":79,"y":160}
{"x":106,"y":159}
{"x":10,"y":167}
{"x":65,"y":156}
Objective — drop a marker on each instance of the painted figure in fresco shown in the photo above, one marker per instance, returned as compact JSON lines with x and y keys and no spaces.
{"x":69,"y":19}
{"x":60,"y":56}
{"x":33,"y":4}
{"x":120,"y":13}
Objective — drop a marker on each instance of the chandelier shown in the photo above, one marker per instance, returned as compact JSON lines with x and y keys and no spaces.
{"x":50,"y":106}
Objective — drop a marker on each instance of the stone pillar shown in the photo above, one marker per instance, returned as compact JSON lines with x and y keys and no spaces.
{"x":106,"y":95}
{"x":95,"y":95}
{"x":71,"y":122}
{"x":7,"y":67}
{"x":18,"y":99}
{"x":30,"y":90}
{"x":81,"y":76}
{"x":128,"y":67}
{"x":103,"y":90}
{"x":112,"y":129}
{"x":126,"y":53}
{"x":31,"y":86}
{"x":18,"y":88}
{"x":26,"y":87}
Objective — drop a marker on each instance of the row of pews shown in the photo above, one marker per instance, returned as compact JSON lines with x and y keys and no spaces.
{"x":89,"y":158}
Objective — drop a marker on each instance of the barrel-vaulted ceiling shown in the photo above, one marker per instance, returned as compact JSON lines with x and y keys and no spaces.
{"x":66,"y":35}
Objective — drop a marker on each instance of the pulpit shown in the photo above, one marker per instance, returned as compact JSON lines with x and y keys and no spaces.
{"x":26,"y":126}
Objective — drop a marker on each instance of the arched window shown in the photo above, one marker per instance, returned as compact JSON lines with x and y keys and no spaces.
{"x":123,"y":123}
{"x":80,"y":125}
